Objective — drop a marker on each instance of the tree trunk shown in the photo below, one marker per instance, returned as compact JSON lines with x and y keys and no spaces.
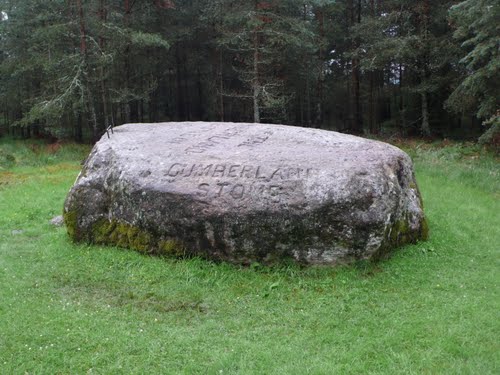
{"x":103,"y":18}
{"x":79,"y":129}
{"x":358,"y":122}
{"x":70,"y":9}
{"x":301,"y":103}
{"x":425,"y":127}
{"x":402,"y":110}
{"x":181,"y":105}
{"x":187,"y":96}
{"x":140,"y":110}
{"x":93,"y":117}
{"x":127,"y":108}
{"x":426,"y":130}
{"x":320,"y":15}
{"x":200,"y":111}
{"x":371,"y":96}
{"x":356,"y":125}
{"x":221,"y":88}
{"x":89,"y":102}
{"x":83,"y":36}
{"x":255,"y":76}
{"x":371,"y":105}
{"x":308,"y":101}
{"x":359,"y":115}
{"x":256,"y":83}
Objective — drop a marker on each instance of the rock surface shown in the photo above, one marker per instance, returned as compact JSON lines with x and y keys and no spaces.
{"x":246,"y":192}
{"x":57,"y":221}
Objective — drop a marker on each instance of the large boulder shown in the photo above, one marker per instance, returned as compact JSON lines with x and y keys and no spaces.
{"x":246,"y":193}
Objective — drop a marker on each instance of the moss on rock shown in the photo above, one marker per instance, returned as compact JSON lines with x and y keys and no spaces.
{"x":122,"y":234}
{"x":424,"y":230}
{"x":171,"y":248}
{"x":400,"y":233}
{"x":129,"y":236}
{"x":71,"y":221}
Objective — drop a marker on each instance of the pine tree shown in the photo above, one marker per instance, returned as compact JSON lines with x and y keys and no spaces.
{"x":65,"y":64}
{"x":257,"y":35}
{"x":477,"y":28}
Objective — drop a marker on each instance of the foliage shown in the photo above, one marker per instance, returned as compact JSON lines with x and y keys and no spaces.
{"x":491,"y":137}
{"x":478,"y":29}
{"x":65,"y":67}
{"x":21,"y":154}
{"x":71,"y":68}
{"x":259,"y":37}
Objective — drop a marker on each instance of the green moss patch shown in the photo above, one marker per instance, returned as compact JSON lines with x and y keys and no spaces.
{"x":171,"y":248}
{"x":71,"y":222}
{"x":128,"y":236}
{"x":399,"y":234}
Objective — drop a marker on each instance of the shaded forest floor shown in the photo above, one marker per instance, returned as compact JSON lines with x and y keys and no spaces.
{"x":432,"y":308}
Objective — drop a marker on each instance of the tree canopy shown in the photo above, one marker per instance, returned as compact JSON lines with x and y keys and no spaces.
{"x":71,"y":68}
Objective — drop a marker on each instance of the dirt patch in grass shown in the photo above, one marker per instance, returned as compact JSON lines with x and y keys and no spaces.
{"x":62,"y":167}
{"x":11,"y":178}
{"x":100,"y":296}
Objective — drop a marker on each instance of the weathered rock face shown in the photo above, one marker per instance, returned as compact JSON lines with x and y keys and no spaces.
{"x":245,"y":193}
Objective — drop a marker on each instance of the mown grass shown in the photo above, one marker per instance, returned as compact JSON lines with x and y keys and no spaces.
{"x":70,"y":308}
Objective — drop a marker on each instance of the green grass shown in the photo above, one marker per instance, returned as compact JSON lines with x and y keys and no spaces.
{"x":433,"y":308}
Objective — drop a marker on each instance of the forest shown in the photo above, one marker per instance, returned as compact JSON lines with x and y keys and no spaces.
{"x":409,"y":68}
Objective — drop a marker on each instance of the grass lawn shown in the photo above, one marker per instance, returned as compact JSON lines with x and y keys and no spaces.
{"x":433,"y":308}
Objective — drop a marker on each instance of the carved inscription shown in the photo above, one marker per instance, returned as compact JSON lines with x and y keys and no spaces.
{"x":256,"y":140}
{"x":238,"y":171}
{"x":187,"y":136}
{"x":274,"y":193}
{"x":241,"y":181}
{"x":213,"y":141}
{"x":181,"y":138}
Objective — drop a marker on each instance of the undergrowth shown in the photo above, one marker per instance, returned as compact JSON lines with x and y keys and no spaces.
{"x":38,"y":153}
